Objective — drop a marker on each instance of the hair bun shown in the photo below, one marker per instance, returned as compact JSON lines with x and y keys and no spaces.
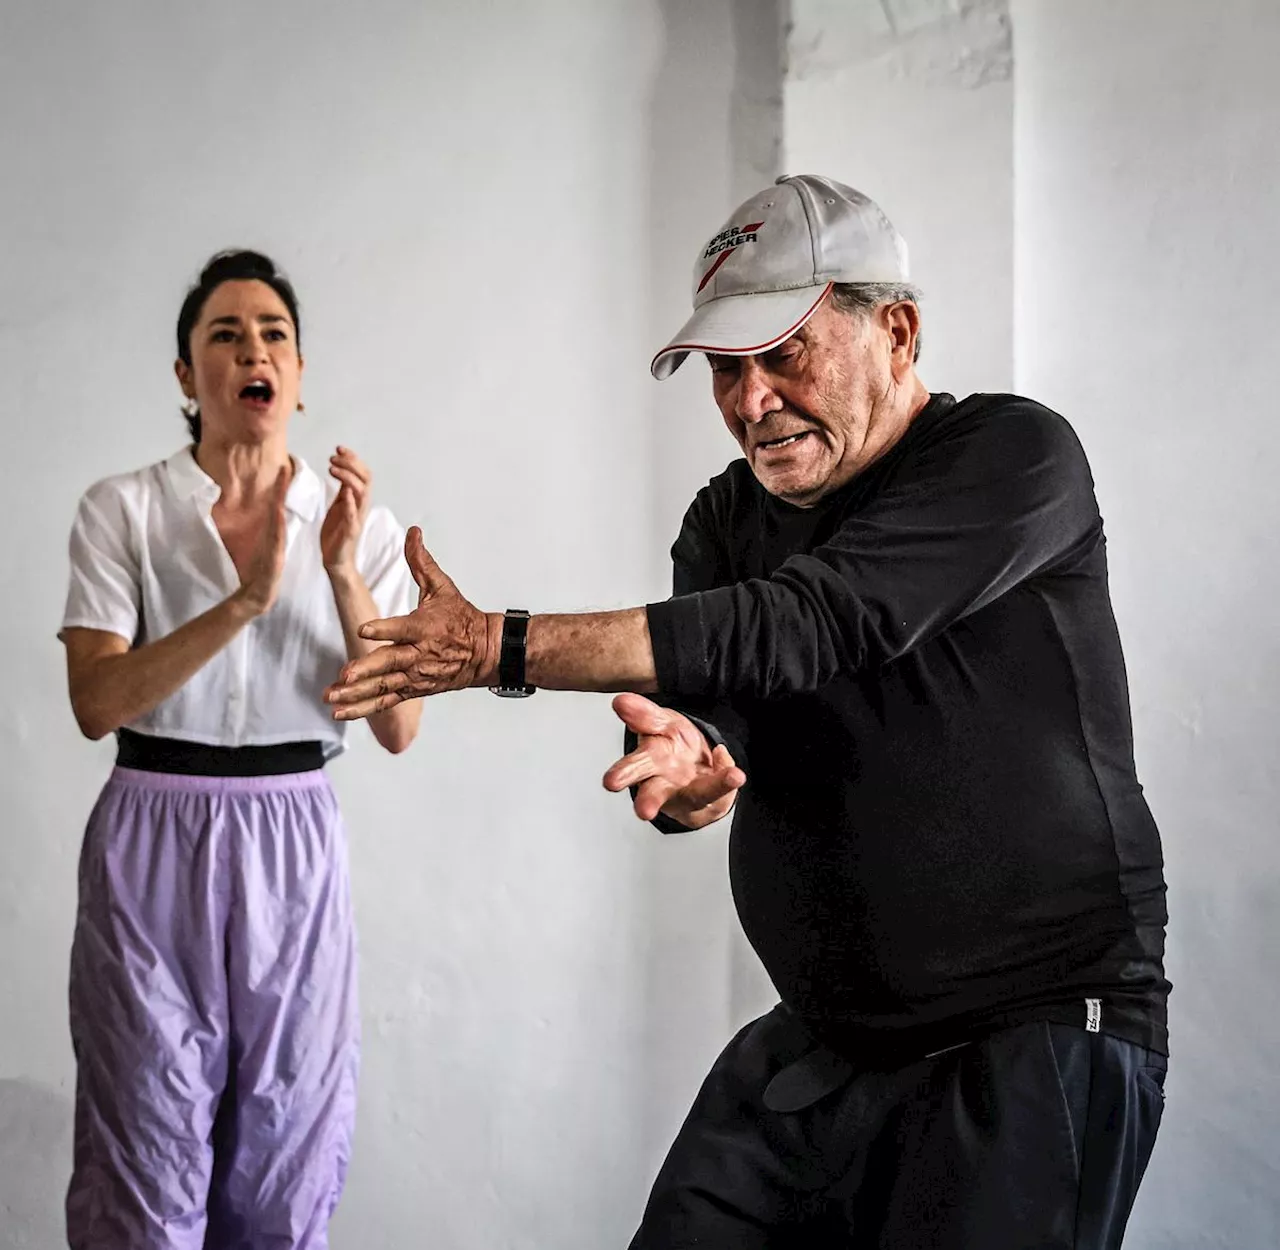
{"x":237,"y":263}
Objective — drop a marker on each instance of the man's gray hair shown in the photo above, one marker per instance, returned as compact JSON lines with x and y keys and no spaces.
{"x":860,"y":298}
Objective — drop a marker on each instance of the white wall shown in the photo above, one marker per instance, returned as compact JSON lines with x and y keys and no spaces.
{"x":911,"y":101}
{"x":490,"y":210}
{"x":1148,"y":263}
{"x":1141,"y":227}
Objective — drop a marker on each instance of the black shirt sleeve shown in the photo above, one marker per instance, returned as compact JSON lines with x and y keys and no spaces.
{"x":977,"y":507}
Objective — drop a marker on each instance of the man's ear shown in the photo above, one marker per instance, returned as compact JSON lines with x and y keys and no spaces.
{"x":902,"y":322}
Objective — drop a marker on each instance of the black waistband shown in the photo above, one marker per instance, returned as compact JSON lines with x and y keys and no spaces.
{"x":1135,"y":1021}
{"x":194,"y":759}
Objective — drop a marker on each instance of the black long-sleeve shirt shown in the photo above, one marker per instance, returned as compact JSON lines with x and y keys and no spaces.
{"x":942,"y":829}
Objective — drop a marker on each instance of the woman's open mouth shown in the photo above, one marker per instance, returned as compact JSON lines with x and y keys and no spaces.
{"x":257,"y":394}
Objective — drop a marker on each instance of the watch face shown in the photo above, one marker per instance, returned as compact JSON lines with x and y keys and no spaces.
{"x":512,"y":692}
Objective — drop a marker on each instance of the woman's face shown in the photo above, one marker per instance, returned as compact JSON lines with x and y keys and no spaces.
{"x":245,"y":368}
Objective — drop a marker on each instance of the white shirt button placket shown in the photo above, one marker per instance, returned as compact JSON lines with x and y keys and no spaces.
{"x":237,"y":695}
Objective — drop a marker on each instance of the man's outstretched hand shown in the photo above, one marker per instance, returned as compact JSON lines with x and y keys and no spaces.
{"x":444,"y":644}
{"x":674,"y":767}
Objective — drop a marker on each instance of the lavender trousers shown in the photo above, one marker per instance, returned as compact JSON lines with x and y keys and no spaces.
{"x":213,"y":1015}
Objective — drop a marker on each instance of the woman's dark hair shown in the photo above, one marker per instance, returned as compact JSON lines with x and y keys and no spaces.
{"x":231,"y":266}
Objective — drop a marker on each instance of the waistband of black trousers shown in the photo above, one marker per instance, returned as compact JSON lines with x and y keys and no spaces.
{"x":195,"y":759}
{"x":1136,"y":1021}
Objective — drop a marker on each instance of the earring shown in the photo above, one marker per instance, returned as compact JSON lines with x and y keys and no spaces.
{"x":301,"y":406}
{"x":192,"y":406}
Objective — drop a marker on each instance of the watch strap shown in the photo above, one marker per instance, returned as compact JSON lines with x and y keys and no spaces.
{"x":511,"y":657}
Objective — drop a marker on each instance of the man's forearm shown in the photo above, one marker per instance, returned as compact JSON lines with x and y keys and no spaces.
{"x":598,"y":651}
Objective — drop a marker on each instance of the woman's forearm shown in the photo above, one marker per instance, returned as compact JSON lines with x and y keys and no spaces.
{"x":396,"y":727}
{"x":108,"y":691}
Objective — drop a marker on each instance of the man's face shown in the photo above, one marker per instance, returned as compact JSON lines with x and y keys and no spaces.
{"x":802,"y":413}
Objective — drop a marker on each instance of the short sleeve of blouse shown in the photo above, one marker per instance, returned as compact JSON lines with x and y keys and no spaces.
{"x":380,"y":558}
{"x":103,"y":592}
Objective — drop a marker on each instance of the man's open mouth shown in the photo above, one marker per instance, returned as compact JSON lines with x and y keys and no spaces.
{"x":785,"y":441}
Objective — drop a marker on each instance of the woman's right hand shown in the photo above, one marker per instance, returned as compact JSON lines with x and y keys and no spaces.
{"x":260,"y":580}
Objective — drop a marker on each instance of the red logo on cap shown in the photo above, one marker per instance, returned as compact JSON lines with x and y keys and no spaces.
{"x":726,"y":243}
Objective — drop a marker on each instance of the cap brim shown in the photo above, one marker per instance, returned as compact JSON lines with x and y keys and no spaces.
{"x":740,"y":325}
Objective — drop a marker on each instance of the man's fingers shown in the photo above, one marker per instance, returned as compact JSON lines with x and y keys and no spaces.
{"x":722,"y":761}
{"x":367,"y":707}
{"x":652,"y":796}
{"x":641,"y":715}
{"x":413,"y":551}
{"x":630,"y":770}
{"x":656,"y":787}
{"x":426,"y":572}
{"x":710,"y":787}
{"x":376,"y":664}
{"x":389,"y":629}
{"x":352,"y":692}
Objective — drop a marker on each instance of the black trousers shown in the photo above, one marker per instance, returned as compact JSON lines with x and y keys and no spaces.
{"x":1031,"y":1138}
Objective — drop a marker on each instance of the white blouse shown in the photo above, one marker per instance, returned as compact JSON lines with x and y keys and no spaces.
{"x":146,"y":557}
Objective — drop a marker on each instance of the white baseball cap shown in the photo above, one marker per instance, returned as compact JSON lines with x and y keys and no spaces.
{"x":763,"y":275}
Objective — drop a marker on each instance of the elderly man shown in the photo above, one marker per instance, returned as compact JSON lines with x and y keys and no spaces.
{"x":891,"y":653}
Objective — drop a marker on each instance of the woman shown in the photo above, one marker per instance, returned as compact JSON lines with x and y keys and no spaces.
{"x":213,"y":1005}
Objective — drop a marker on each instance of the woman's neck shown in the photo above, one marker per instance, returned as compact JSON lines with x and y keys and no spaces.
{"x":245,"y":471}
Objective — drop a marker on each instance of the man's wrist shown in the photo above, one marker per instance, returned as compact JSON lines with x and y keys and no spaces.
{"x":489,"y":646}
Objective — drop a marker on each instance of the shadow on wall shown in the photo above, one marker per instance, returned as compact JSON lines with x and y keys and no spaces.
{"x":35,"y":1161}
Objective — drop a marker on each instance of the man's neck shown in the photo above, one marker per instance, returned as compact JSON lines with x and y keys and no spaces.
{"x":894,"y":421}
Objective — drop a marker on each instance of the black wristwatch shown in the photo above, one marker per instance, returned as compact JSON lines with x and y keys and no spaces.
{"x":511,"y":682}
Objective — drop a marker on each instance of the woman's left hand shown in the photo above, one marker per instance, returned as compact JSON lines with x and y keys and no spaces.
{"x":345,"y":518}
